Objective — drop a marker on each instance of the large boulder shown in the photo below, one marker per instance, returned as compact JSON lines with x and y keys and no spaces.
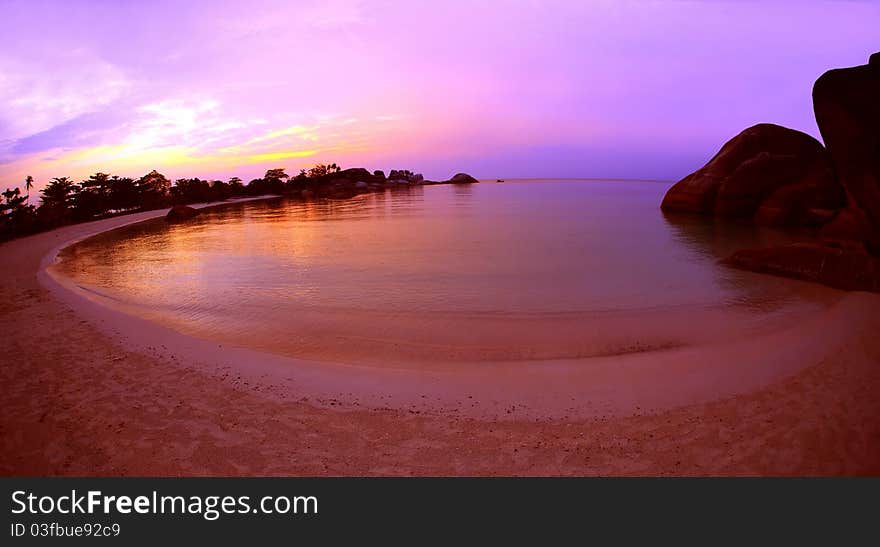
{"x":181,"y":213}
{"x":768,"y":173}
{"x":462,"y":178}
{"x":354,"y":174}
{"x":345,"y":177}
{"x":848,"y":228}
{"x":405,"y":176}
{"x":847,"y":106}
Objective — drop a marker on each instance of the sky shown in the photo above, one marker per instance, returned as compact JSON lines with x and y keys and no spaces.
{"x":616,"y":88}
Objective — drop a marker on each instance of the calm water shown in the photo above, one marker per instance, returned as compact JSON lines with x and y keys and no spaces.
{"x":493,"y":271}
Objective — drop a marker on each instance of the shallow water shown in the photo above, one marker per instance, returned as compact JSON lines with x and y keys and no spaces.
{"x":492,"y":271}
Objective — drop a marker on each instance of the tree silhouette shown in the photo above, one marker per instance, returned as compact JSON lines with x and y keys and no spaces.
{"x":321,"y":170}
{"x":153,"y":189}
{"x":92,"y":200}
{"x":236,"y":188}
{"x":28,"y":184}
{"x":191,"y":191}
{"x":57,"y":200}
{"x":271,"y":183}
{"x":63,"y":201}
{"x":16,"y":217}
{"x":219,"y":190}
{"x":123,"y":194}
{"x":275,"y":174}
{"x":13,"y":199}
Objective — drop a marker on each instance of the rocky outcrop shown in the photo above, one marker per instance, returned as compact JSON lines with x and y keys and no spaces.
{"x":833,"y":266}
{"x":846,"y":102}
{"x":768,"y":173}
{"x":847,"y":107}
{"x":354,"y":174}
{"x":404,"y":176}
{"x":779,"y":176}
{"x":848,"y":228}
{"x":351,"y":182}
{"x":462,"y":178}
{"x":181,"y":213}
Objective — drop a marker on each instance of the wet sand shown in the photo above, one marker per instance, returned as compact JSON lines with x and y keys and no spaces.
{"x":88,"y":390}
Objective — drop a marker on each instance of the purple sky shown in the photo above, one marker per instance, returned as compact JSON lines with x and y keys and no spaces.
{"x":595,"y":88}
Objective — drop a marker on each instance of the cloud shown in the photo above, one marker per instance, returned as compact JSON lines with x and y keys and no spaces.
{"x":184,"y":84}
{"x":193,"y":137}
{"x":40,"y":93}
{"x":87,"y":129}
{"x":267,"y":18}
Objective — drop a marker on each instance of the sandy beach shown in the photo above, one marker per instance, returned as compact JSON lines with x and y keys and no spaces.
{"x":91,"y":390}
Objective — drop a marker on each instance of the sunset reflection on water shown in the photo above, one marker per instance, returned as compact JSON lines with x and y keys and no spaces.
{"x":510,"y":271}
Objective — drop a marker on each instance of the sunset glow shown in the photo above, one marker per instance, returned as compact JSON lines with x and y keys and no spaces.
{"x":600,"y":88}
{"x":273,"y":239}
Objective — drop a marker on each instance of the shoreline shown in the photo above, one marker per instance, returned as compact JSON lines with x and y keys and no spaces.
{"x":615,"y":384}
{"x":629,"y":394}
{"x":130,"y":219}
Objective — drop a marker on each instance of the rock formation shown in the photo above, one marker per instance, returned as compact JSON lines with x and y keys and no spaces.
{"x":462,"y":178}
{"x":181,"y":213}
{"x":351,"y":182}
{"x":846,"y":102}
{"x":833,"y":266}
{"x":847,"y":107}
{"x":354,"y":174}
{"x":768,"y":173}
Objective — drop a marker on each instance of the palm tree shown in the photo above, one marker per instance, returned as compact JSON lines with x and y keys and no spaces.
{"x":28,"y":184}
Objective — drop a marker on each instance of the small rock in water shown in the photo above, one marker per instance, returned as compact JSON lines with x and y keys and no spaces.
{"x":181,"y":213}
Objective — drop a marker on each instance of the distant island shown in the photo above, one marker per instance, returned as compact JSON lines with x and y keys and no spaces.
{"x":63,"y":201}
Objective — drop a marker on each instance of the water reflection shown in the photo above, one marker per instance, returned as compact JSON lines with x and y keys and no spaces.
{"x":414,"y":274}
{"x":721,"y":237}
{"x":716,"y":239}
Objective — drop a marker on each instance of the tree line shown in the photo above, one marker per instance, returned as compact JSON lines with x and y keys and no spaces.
{"x":63,"y":201}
